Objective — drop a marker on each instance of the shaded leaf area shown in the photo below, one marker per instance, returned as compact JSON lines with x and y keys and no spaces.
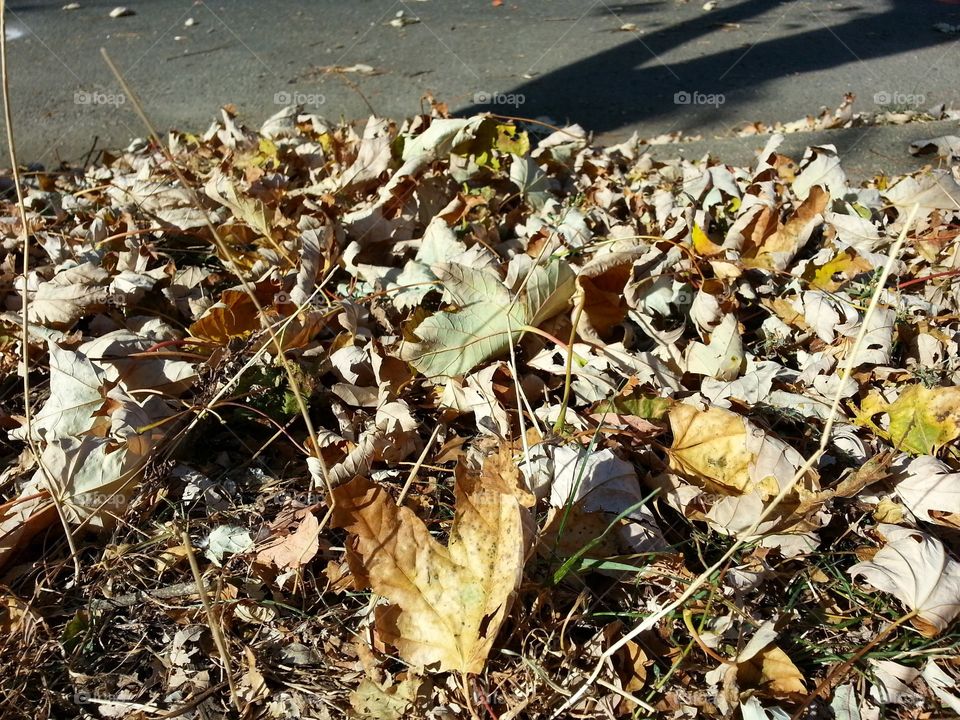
{"x":447,"y":406}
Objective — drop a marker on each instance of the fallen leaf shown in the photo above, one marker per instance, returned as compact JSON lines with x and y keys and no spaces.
{"x":600,"y":482}
{"x":384,"y":701}
{"x":226,"y":541}
{"x":448,"y":602}
{"x":291,"y":551}
{"x":68,"y":296}
{"x":723,"y":358}
{"x":915,"y":568}
{"x":941,"y":684}
{"x":774,"y":673}
{"x":777,"y":250}
{"x":488,"y":321}
{"x":931,"y":491}
{"x":922,"y":420}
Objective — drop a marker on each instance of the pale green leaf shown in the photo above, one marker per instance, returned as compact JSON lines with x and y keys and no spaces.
{"x":532,"y":181}
{"x":488,"y":319}
{"x":549,"y":289}
{"x":455,"y":343}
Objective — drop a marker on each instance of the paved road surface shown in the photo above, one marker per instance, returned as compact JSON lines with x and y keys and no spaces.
{"x":681,"y":68}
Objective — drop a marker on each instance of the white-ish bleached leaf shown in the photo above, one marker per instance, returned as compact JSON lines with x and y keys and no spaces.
{"x":945,"y":146}
{"x":476,"y":396}
{"x":844,"y":703}
{"x":820,"y":166}
{"x":891,"y":683}
{"x":373,"y":155}
{"x":281,"y":124}
{"x":224,"y":541}
{"x":438,"y":139}
{"x":936,"y":190}
{"x":68,"y":296}
{"x":754,"y":387}
{"x":602,"y":482}
{"x":854,"y":231}
{"x":95,"y":477}
{"x":916,"y":569}
{"x":752,"y":709}
{"x":723,"y":358}
{"x":931,"y":487}
{"x":532,"y":181}
{"x":123,"y":358}
{"x":941,"y":684}
{"x":76,"y":393}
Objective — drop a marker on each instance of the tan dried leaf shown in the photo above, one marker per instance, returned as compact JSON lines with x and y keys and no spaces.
{"x":711,"y":447}
{"x":289,"y":552}
{"x":777,"y":250}
{"x":448,"y":602}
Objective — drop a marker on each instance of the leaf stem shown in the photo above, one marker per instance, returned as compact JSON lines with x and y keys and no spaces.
{"x":562,"y":416}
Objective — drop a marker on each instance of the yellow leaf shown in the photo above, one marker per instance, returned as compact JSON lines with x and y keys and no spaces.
{"x":846,"y":263}
{"x":711,"y":447}
{"x":922,"y":420}
{"x":772,"y":671}
{"x":703,"y":244}
{"x":448,"y":602}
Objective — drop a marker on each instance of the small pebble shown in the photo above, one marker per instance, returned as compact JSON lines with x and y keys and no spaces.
{"x":72,"y":6}
{"x":190,"y":22}
{"x":119,"y":12}
{"x":402,"y":21}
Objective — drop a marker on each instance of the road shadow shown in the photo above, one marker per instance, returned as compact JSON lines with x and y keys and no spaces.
{"x":631,"y":83}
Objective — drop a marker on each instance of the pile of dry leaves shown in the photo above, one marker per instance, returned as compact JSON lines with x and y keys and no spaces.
{"x":445,"y":419}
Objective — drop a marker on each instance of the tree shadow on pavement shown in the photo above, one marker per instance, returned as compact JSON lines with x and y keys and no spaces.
{"x":631,"y":82}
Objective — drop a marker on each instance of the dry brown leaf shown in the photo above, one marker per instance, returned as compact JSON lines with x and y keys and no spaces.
{"x":600,"y":285}
{"x":777,"y":250}
{"x":23,"y":518}
{"x":234,"y":316}
{"x":448,"y":602}
{"x":772,"y":671}
{"x":290,"y":551}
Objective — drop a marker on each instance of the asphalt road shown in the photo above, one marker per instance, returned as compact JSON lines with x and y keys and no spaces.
{"x":677,"y":66}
